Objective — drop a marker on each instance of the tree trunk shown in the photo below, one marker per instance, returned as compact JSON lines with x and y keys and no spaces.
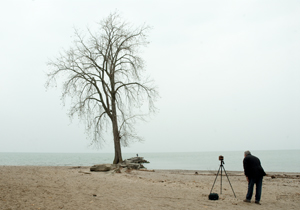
{"x":118,"y":152}
{"x":117,"y":144}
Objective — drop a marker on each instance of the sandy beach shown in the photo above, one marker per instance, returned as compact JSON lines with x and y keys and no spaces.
{"x":35,"y":187}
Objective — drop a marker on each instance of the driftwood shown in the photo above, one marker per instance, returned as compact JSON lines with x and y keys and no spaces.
{"x":134,"y":163}
{"x":147,"y":170}
{"x":131,"y":163}
{"x":84,"y":172}
{"x":274,"y":176}
{"x":104,"y":167}
{"x":75,"y":167}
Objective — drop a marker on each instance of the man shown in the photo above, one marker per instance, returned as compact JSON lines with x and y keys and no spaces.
{"x":254,"y":174}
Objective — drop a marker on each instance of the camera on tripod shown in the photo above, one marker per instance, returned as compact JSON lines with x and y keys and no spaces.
{"x":215,"y":196}
{"x":221,"y":158}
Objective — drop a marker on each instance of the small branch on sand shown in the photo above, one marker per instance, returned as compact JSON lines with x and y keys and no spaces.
{"x":84,"y":172}
{"x":146,"y":170}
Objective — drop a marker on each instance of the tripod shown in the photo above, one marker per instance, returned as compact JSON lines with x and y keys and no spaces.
{"x":220,"y":168}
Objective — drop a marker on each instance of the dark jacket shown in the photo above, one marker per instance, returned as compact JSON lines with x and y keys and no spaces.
{"x":252,"y":167}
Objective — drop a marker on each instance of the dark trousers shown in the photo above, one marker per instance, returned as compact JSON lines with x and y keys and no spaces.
{"x":258,"y":183}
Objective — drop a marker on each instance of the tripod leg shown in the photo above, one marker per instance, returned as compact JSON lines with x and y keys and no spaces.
{"x":229,"y":182}
{"x":215,"y":180}
{"x":221,"y":180}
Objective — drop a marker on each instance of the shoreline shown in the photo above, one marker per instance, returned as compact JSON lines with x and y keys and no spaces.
{"x":189,"y":171}
{"x":271,"y":160}
{"x":67,"y":187}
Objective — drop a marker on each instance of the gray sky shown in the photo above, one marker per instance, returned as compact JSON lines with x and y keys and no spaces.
{"x":228,"y":74}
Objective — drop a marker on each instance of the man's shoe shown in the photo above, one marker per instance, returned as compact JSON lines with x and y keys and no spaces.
{"x":257,"y":202}
{"x":247,"y":201}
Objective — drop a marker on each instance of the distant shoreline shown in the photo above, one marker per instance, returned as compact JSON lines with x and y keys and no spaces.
{"x":272,"y":161}
{"x":171,"y":171}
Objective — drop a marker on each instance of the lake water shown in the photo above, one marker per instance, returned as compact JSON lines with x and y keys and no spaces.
{"x":272,"y":161}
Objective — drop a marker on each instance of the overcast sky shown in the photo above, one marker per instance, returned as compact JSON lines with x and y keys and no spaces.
{"x":228,"y":74}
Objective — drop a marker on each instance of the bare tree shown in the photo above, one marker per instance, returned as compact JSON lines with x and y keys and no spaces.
{"x":102,"y":74}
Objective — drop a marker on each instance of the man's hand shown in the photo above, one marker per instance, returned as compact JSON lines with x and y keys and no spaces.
{"x":247,"y":179}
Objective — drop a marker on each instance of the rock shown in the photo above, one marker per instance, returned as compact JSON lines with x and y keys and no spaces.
{"x":103,"y":167}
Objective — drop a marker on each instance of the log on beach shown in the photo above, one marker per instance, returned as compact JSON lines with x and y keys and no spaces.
{"x":131,"y":163}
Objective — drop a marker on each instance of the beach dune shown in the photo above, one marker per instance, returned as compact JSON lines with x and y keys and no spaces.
{"x":36,"y":187}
